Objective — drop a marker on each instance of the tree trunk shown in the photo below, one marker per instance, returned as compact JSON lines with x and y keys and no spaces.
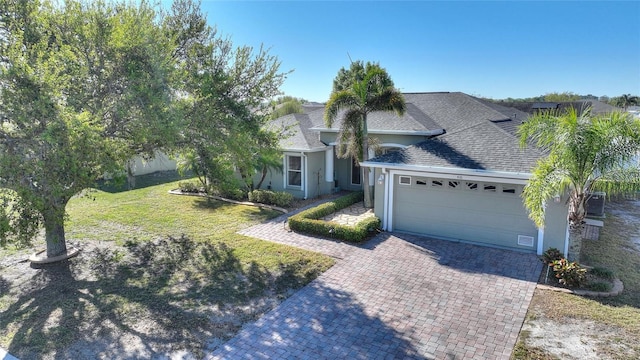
{"x":264,"y":175}
{"x":577,"y":213}
{"x":575,"y":241}
{"x":54,"y":232}
{"x":368,"y":188}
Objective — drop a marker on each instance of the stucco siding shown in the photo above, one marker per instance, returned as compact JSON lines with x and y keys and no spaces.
{"x":160,"y":162}
{"x":555,"y":224}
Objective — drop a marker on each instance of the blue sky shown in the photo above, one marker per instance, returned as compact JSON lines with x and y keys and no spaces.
{"x":492,"y":49}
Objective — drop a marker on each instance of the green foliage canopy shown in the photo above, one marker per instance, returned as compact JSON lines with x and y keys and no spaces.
{"x":586,"y":153}
{"x":225,"y":103}
{"x":84,"y":86}
{"x":362,"y":89}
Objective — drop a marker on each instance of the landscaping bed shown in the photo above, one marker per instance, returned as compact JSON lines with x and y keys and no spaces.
{"x":562,"y":325}
{"x":309,"y":221}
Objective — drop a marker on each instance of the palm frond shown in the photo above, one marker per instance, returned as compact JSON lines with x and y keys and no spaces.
{"x":545,"y":183}
{"x":338,"y":101}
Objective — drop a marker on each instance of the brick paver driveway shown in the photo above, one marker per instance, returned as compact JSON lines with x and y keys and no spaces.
{"x":396,"y":297}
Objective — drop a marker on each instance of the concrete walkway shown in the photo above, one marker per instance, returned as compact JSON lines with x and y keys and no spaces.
{"x":396,"y":297}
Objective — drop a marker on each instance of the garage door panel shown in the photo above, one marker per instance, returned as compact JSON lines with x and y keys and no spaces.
{"x":472,"y":215}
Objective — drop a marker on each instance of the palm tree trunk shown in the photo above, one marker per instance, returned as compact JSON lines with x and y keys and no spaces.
{"x":577,"y":213}
{"x":575,"y":241}
{"x":368,"y":188}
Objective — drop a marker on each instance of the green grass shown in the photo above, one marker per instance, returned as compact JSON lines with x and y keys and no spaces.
{"x":168,"y":269}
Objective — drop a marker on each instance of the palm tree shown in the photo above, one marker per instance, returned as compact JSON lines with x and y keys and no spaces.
{"x":370,"y":90}
{"x":586,"y":153}
{"x":625,"y":100}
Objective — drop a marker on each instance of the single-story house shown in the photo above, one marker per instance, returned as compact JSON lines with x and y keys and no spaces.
{"x":451,"y":167}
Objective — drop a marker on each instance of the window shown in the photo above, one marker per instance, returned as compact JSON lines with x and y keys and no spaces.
{"x":453,"y":184}
{"x":472,"y":185}
{"x":355,"y":172}
{"x":405,"y":180}
{"x":421,"y":182}
{"x":489,"y":187}
{"x":508,"y":189}
{"x":436,"y":183}
{"x":294,"y":170}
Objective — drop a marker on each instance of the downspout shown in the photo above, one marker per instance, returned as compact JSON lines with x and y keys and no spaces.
{"x":541,"y":232}
{"x":385,"y":207}
{"x":389,"y":214}
{"x":540,"y":241}
{"x":304,"y":175}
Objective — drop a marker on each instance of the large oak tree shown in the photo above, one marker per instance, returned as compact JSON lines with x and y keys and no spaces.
{"x":84,"y":86}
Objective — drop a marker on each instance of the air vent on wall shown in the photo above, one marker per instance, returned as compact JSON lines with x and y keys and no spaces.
{"x":525,"y":240}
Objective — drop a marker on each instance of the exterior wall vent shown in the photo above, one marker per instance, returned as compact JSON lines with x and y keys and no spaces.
{"x":525,"y":240}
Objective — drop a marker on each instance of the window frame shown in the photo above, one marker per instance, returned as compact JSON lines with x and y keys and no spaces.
{"x":290,"y":170}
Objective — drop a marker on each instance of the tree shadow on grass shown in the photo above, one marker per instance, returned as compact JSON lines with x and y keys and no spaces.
{"x":144,"y":300}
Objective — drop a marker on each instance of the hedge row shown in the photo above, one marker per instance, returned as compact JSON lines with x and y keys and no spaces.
{"x":277,"y":198}
{"x":307,"y":221}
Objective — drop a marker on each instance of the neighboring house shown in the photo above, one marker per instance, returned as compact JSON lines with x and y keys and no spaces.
{"x":450,"y":168}
{"x":160,"y":162}
{"x":597,"y":107}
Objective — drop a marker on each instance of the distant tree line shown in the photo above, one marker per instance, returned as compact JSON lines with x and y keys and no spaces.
{"x":622,"y":101}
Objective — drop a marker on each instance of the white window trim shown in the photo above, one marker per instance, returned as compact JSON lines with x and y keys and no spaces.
{"x":302,"y":171}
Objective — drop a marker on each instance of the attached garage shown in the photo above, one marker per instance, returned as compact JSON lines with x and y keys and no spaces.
{"x":484,"y":212}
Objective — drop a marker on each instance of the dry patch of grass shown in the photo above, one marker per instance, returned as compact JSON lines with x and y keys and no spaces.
{"x":603,"y":328}
{"x":159,"y":275}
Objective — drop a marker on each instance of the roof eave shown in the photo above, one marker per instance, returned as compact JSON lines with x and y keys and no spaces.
{"x":389,"y":132}
{"x":450,"y":170}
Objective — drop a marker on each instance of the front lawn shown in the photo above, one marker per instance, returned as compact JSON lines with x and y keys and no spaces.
{"x":158,"y":274}
{"x":564,"y":326}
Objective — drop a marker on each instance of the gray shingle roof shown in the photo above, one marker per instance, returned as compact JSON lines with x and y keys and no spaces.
{"x":483,"y":146}
{"x":480,"y":134}
{"x":298,"y":134}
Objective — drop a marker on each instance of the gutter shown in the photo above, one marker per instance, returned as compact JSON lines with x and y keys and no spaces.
{"x":391,"y":132}
{"x":447,"y":170}
{"x":304,"y":174}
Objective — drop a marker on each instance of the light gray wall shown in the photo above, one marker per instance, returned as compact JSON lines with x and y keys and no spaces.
{"x":342,"y":171}
{"x":316,"y":180}
{"x":315,"y":165}
{"x":555,"y":224}
{"x":160,"y":162}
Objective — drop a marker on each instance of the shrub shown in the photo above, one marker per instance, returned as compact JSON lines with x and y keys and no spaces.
{"x":280,"y":198}
{"x":551,"y":255}
{"x":189,"y":187}
{"x":602,"y":273}
{"x":307,"y":221}
{"x":569,"y":273}
{"x":600,"y":286}
{"x":232,"y":193}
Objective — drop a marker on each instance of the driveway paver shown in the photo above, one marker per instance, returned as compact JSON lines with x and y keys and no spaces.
{"x":398,"y":296}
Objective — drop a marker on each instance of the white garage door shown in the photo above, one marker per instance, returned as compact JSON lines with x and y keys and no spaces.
{"x":481,"y":212}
